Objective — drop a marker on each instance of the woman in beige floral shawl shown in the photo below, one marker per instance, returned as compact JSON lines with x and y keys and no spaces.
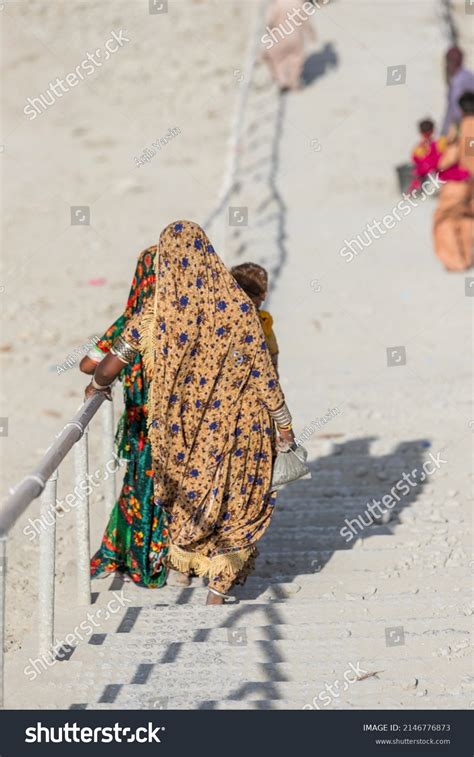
{"x":213,"y":400}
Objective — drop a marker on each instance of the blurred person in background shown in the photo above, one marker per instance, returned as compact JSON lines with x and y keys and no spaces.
{"x":459,"y":80}
{"x":454,"y":216}
{"x":427,"y":158}
{"x":465,"y":142}
{"x":426,"y":154}
{"x":288,"y":27}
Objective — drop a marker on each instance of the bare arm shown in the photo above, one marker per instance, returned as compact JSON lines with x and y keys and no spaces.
{"x":87,"y":365}
{"x":106,"y":372}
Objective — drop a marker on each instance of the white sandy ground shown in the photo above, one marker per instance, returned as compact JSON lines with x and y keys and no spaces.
{"x":178,"y":71}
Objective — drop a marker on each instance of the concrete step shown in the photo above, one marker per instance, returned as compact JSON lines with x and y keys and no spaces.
{"x":190,"y":614}
{"x":145,"y":684}
{"x":235,"y":650}
{"x":88,"y":660}
{"x":351,"y":582}
{"x":326,"y":489}
{"x":179,"y":703}
{"x":157,"y":642}
{"x":182,"y":611}
{"x":291,"y":592}
{"x":334,"y":515}
{"x":317,"y":632}
{"x":331,"y":516}
{"x":297,"y":570}
{"x":373,"y":537}
{"x":386,"y":687}
{"x":340,"y":495}
{"x":363,"y":556}
{"x":357,"y":582}
{"x":389,"y":703}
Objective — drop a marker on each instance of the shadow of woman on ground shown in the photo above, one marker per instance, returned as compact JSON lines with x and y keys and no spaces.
{"x":352,"y":495}
{"x":319,"y":63}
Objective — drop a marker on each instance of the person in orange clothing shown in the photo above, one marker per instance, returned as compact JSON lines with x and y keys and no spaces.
{"x":466,"y":133}
{"x":253,"y":279}
{"x":454,"y":216}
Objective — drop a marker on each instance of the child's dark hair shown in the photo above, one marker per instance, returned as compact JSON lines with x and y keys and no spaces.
{"x":466,"y":103}
{"x":252,"y":277}
{"x":426,"y":125}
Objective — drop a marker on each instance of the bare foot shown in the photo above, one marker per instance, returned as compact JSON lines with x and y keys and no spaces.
{"x":175,"y":578}
{"x":214,"y":599}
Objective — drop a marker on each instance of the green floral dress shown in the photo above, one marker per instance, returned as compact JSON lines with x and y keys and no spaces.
{"x":136,"y":537}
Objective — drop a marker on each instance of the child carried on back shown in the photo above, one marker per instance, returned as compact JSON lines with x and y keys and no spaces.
{"x":253,"y":279}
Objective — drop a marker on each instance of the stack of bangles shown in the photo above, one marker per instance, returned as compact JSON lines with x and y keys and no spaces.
{"x":124,"y":351}
{"x":282,"y":417}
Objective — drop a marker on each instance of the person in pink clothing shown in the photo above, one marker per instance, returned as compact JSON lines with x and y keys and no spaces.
{"x":427,"y":155}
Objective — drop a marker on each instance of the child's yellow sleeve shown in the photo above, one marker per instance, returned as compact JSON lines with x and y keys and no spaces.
{"x":267,"y":325}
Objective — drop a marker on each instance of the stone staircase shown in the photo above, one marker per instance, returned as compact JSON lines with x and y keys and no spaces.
{"x":316,"y":608}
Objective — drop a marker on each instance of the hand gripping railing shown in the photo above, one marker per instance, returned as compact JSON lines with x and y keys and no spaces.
{"x":43,"y":480}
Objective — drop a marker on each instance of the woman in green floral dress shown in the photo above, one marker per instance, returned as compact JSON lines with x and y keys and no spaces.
{"x":136,"y":538}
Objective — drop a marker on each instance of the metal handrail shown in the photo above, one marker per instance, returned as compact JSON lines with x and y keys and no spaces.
{"x":34,"y":483}
{"x":43,"y":480}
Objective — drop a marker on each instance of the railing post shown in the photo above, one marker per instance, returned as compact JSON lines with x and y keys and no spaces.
{"x":81,"y":459}
{"x":108,"y":440}
{"x":47,"y":564}
{"x":3,"y":586}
